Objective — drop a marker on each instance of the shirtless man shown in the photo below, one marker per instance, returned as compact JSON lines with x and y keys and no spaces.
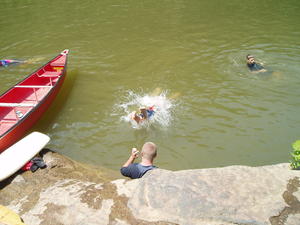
{"x":253,"y":65}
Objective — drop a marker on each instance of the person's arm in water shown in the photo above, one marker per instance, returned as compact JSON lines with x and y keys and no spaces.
{"x":136,"y":117}
{"x":133,"y":156}
{"x":254,"y":66}
{"x":259,"y":69}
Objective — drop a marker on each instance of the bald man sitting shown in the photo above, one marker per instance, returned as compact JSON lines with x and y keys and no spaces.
{"x":137,"y":170}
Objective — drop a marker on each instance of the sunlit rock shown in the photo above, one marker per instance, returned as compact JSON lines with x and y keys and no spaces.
{"x":67,"y":192}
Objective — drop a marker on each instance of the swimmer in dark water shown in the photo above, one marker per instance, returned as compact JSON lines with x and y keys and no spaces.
{"x":145,"y":113}
{"x":254,"y":66}
{"x":7,"y":62}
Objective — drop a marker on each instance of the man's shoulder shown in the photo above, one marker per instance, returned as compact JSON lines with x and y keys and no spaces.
{"x":133,"y":166}
{"x":144,"y":169}
{"x":136,"y":170}
{"x":140,"y":167}
{"x":133,"y":171}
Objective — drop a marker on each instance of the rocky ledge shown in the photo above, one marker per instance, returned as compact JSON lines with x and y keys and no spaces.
{"x":67,"y":192}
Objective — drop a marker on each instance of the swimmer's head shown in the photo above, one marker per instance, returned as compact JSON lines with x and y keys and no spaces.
{"x":250,"y":59}
{"x":249,"y":56}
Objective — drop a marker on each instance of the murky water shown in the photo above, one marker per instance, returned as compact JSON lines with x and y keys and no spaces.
{"x":193,"y":51}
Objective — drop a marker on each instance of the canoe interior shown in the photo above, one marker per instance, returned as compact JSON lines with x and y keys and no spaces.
{"x":24,"y":97}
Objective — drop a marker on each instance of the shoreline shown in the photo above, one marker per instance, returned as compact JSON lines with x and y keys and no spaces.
{"x":69,"y":192}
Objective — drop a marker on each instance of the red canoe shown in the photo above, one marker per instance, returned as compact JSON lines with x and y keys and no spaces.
{"x":23,"y":104}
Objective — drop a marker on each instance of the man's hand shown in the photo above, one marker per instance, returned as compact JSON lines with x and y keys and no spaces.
{"x":134,"y":153}
{"x":133,"y":156}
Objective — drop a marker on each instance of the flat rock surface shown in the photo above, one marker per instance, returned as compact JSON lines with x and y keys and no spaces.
{"x":67,"y":192}
{"x":229,"y":195}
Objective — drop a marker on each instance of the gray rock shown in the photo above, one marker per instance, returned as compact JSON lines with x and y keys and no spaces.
{"x":293,"y":219}
{"x":18,"y":179}
{"x":67,"y":192}
{"x":230,"y":195}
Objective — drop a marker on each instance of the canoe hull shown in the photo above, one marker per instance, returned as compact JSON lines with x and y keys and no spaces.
{"x":19,"y":129}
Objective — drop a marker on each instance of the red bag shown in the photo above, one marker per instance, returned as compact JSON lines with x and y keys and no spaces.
{"x":27,"y":166}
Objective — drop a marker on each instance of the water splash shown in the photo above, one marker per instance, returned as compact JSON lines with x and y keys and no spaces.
{"x":163,"y":106}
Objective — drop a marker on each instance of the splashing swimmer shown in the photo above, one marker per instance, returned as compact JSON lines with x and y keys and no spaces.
{"x":145,"y":114}
{"x":150,"y":109}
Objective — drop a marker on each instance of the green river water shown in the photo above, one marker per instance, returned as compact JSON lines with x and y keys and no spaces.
{"x":195,"y":49}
